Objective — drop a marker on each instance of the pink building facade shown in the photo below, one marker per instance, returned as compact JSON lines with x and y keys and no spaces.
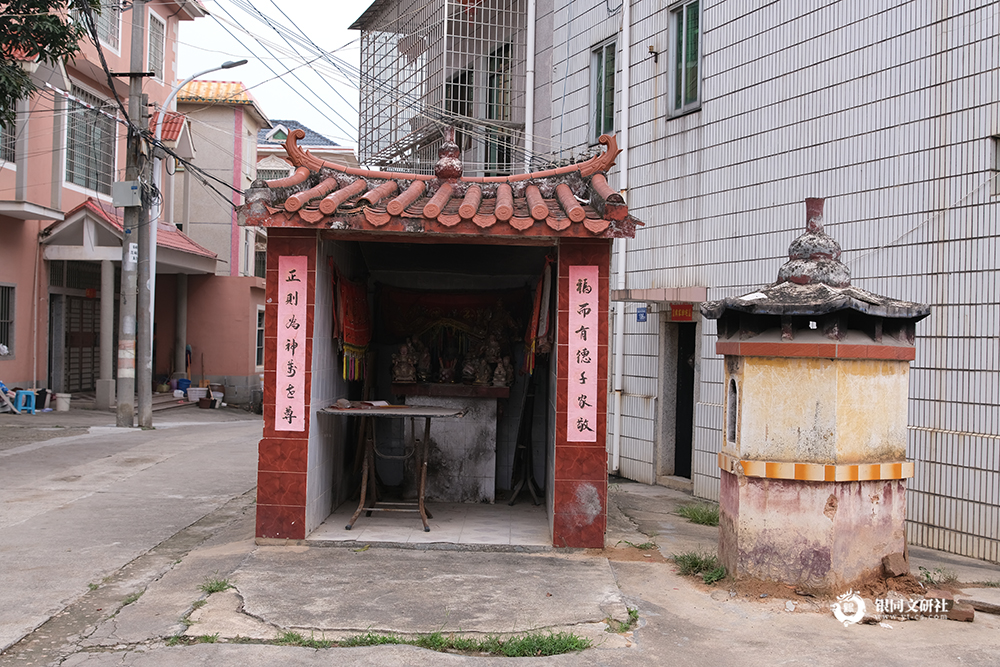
{"x":61,"y":246}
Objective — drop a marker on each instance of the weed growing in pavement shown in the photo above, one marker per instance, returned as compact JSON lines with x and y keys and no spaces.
{"x":207,"y":639}
{"x":691,"y":562}
{"x":706,"y":515}
{"x":215,"y":586}
{"x":132,"y":598}
{"x":93,"y":587}
{"x":712,"y":576}
{"x":526,"y":645}
{"x":705,"y":564}
{"x":621,"y":627}
{"x":995,"y":583}
{"x":295,"y":639}
{"x":643,"y":547}
{"x":175,"y":640}
{"x":937,"y":576}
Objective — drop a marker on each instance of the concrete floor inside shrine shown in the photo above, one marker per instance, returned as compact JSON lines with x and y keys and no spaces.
{"x":522,"y":527}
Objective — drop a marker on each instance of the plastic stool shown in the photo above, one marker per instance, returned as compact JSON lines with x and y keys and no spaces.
{"x":25,"y":401}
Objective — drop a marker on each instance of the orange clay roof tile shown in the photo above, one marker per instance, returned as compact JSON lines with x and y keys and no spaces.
{"x":573,"y":201}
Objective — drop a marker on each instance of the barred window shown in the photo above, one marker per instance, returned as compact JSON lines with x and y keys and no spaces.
{"x":154,"y":61}
{"x":6,"y":320}
{"x":90,"y":142}
{"x":109,"y":23}
{"x":7,"y":153}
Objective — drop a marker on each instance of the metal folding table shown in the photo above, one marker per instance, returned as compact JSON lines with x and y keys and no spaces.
{"x":368,"y":467}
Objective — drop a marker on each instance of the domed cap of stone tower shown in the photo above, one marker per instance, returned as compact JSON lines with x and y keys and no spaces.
{"x":814,"y":257}
{"x":814,"y":282}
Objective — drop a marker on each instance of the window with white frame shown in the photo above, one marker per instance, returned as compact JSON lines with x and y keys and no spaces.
{"x":499,"y":112}
{"x":7,"y":152}
{"x":157,"y":33}
{"x":603,"y":89}
{"x":109,"y":23}
{"x":260,"y":336}
{"x":90,"y":142}
{"x":6,"y":321}
{"x":685,"y":39}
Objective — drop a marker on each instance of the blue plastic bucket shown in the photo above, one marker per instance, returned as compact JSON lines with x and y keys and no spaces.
{"x":183,"y":384}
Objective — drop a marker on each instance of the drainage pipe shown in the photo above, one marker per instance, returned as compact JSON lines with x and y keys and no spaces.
{"x":529,"y":89}
{"x":622,"y":246}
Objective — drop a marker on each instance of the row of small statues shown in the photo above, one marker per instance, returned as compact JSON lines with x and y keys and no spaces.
{"x":413,"y":363}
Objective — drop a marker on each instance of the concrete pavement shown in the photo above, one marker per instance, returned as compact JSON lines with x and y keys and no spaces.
{"x":109,"y":533}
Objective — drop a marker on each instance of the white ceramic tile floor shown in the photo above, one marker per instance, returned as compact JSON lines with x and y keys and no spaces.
{"x":452,"y":523}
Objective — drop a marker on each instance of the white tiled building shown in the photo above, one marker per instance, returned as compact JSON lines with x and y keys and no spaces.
{"x":737,"y":113}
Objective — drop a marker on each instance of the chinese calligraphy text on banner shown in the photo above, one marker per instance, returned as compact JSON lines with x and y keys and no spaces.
{"x":290,"y":374}
{"x":583,"y":313}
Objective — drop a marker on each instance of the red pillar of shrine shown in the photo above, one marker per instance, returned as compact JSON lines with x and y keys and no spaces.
{"x":284,"y":454}
{"x":580,"y":477}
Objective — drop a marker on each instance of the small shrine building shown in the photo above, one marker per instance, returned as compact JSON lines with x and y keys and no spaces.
{"x":490,"y":293}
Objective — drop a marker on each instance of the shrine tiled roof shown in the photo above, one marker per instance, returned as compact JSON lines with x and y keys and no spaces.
{"x":571,"y":201}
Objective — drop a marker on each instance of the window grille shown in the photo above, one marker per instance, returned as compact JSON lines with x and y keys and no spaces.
{"x":90,"y":143}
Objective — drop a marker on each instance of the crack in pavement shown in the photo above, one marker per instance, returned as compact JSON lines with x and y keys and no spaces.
{"x":66,"y":632}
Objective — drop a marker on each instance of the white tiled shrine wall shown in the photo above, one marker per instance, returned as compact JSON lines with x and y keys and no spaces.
{"x":887,"y":109}
{"x":325,"y":487}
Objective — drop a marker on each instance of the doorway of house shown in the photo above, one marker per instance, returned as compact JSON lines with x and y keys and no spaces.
{"x":684,"y":410}
{"x":676,"y":413}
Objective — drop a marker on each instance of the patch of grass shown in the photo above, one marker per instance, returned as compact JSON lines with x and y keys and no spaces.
{"x":198,"y":604}
{"x":706,"y":515}
{"x":295,"y":639}
{"x":692,"y":562}
{"x":712,"y":576}
{"x":621,"y":627}
{"x":526,"y":645}
{"x":175,"y":640}
{"x":215,"y":585}
{"x":207,"y":639}
{"x":937,"y":576}
{"x":992,"y":584}
{"x":93,"y":587}
{"x":132,"y":598}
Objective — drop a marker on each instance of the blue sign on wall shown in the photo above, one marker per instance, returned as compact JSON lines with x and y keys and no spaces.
{"x":640,"y":314}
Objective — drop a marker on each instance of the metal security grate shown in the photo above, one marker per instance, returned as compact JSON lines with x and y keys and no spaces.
{"x":7,"y":317}
{"x":7,"y":151}
{"x":430,"y":64}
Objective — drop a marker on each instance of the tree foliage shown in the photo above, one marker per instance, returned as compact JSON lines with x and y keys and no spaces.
{"x":30,"y":30}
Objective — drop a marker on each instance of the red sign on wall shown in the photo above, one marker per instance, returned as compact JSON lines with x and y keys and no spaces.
{"x":681,"y":312}
{"x":584,"y":311}
{"x":290,"y":390}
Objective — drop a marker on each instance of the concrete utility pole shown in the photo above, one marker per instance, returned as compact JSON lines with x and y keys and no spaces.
{"x":125,"y":388}
{"x":144,"y":309}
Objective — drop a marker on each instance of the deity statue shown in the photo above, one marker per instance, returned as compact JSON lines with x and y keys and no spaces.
{"x":403,"y":368}
{"x":469,"y":368}
{"x":447,"y":372}
{"x":423,"y":360}
{"x":503,"y":376}
{"x":491,"y":350}
{"x":483,"y":372}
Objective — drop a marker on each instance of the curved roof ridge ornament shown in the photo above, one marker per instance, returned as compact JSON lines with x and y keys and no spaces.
{"x":301,"y":157}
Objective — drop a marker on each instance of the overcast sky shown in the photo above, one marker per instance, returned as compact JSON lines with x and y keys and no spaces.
{"x":322,"y":97}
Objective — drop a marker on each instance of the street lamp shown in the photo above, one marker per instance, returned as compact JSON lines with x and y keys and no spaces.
{"x":157,"y":179}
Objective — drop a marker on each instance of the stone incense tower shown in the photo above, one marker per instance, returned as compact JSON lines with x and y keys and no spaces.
{"x":813,"y":457}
